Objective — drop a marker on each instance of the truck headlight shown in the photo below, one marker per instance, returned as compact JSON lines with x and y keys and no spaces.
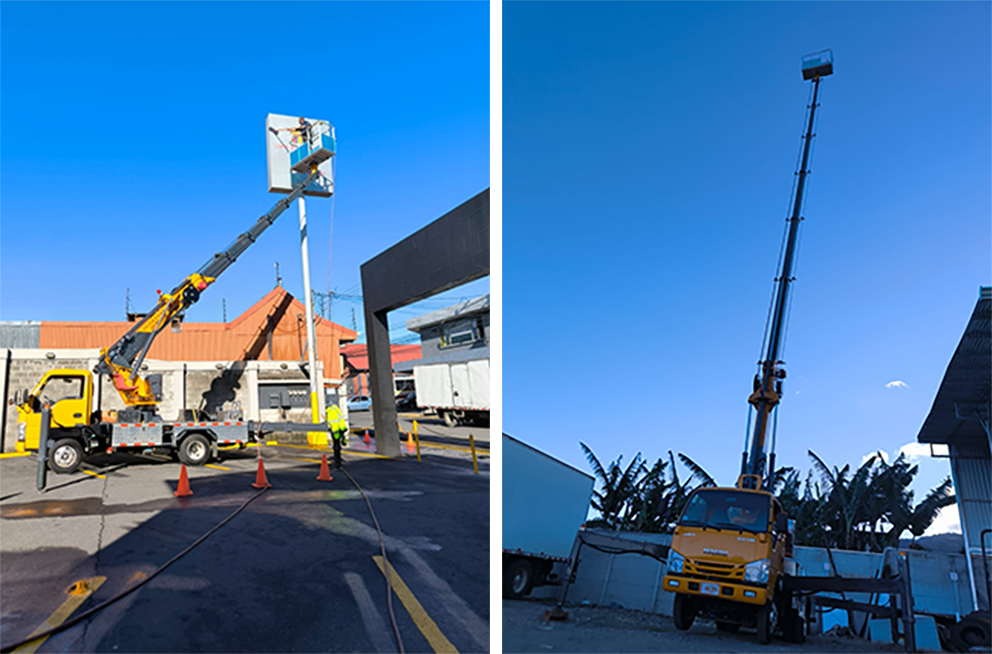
{"x":757,"y":571}
{"x":675,"y":562}
{"x":22,"y":430}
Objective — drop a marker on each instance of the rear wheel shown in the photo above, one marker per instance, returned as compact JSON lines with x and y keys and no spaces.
{"x":518,"y":578}
{"x":794,"y":627}
{"x":683,"y":612}
{"x":194,"y":450}
{"x":65,"y":456}
{"x":767,"y":622}
{"x":450,"y":419}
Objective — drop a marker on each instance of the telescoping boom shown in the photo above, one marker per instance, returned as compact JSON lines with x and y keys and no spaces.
{"x":768,"y":384}
{"x":122,"y":360}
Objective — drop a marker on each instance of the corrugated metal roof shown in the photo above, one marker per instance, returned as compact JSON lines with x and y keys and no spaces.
{"x":466,"y":308}
{"x":245,"y":338}
{"x":357,"y":354}
{"x":962,"y":402}
{"x":19,"y":333}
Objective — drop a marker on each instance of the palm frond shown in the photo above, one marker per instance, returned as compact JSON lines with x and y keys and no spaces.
{"x":697,"y":471}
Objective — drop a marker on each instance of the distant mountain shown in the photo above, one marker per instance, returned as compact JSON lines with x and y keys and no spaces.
{"x":949,"y":542}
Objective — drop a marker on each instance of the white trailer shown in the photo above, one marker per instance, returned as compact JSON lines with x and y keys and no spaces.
{"x":457,"y":392}
{"x":545,"y":502}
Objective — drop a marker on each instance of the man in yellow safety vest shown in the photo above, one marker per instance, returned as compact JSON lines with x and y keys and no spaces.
{"x":338,"y":425}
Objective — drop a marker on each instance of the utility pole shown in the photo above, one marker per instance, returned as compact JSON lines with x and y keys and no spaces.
{"x":316,"y":380}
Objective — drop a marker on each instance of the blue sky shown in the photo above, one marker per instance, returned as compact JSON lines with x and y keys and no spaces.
{"x":133,"y":145}
{"x":648,"y":157}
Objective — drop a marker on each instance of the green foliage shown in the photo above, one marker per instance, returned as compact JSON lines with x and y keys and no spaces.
{"x":866,"y":509}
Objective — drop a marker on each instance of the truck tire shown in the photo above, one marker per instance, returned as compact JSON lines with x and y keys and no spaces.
{"x":194,"y":450}
{"x":798,"y":629}
{"x":683,"y":612}
{"x":767,"y":622}
{"x":65,"y":456}
{"x":449,"y":418}
{"x":972,"y":631}
{"x":518,"y":578}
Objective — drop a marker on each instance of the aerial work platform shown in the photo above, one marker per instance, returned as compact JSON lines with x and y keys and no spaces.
{"x":818,"y":64}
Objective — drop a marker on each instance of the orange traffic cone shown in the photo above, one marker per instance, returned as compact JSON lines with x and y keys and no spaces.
{"x":409,"y":442}
{"x":183,"y":490}
{"x":368,"y":441}
{"x":325,"y":472}
{"x":260,"y":480}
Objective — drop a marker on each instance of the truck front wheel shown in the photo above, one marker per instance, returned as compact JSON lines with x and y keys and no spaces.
{"x":65,"y":456}
{"x":518,"y":578}
{"x":767,"y":622}
{"x":194,"y":450}
{"x":683,"y":612}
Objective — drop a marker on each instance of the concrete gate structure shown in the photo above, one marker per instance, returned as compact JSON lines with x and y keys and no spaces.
{"x":451,"y":251}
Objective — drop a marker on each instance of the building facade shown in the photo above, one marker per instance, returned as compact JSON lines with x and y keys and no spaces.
{"x":959,"y":420}
{"x":254,"y":367}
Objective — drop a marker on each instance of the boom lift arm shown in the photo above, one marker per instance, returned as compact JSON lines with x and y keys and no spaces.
{"x":768,"y":386}
{"x":122,"y":360}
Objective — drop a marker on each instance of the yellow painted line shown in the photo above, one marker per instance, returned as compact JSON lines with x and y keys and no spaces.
{"x":420,"y":618}
{"x":10,"y":455}
{"x":453,"y":447}
{"x":90,"y":472}
{"x":300,"y":447}
{"x":270,"y":443}
{"x":83,"y":590}
{"x":210,"y":465}
{"x":360,"y":453}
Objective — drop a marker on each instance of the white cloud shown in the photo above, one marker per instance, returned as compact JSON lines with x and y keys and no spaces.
{"x":915,"y":451}
{"x":897,"y":384}
{"x":881,"y":454}
{"x":948,"y":520}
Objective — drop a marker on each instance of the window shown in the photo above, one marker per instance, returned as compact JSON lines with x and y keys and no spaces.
{"x":723,"y":509}
{"x":462,"y":332}
{"x":61,"y":388}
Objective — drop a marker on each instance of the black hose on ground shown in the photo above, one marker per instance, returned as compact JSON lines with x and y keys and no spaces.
{"x":86,"y":614}
{"x":385,"y":564}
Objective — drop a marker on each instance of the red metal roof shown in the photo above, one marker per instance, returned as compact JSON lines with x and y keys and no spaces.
{"x":357,"y":354}
{"x":244,"y":338}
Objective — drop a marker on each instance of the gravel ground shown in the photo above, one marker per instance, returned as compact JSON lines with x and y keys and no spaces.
{"x":593,"y":629}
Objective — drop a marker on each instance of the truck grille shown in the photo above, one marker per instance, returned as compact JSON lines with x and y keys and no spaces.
{"x":712,"y":570}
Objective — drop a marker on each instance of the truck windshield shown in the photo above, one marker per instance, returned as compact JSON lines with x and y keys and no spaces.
{"x":727,"y":509}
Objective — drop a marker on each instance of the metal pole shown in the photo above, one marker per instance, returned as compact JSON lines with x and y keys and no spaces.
{"x":416,"y":439}
{"x":475,"y":461}
{"x":311,"y":341}
{"x":46,"y":419}
{"x":908,"y":619}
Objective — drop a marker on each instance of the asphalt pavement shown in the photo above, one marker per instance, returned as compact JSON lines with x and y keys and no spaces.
{"x":601,"y":629}
{"x":294,"y":571}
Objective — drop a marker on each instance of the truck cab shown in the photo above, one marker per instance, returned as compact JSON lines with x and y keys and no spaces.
{"x":69,"y":394}
{"x":729,"y":549}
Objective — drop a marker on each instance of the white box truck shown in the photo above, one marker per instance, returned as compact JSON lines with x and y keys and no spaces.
{"x":457,"y":392}
{"x":545,"y":502}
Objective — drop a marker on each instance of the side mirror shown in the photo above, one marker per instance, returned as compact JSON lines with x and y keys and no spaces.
{"x":782,"y":522}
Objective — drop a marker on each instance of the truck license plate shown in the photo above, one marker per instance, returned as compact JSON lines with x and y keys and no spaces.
{"x":709,"y":589}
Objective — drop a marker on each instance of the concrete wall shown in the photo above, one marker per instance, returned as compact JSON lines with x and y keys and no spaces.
{"x":217,"y":387}
{"x":634,"y":581}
